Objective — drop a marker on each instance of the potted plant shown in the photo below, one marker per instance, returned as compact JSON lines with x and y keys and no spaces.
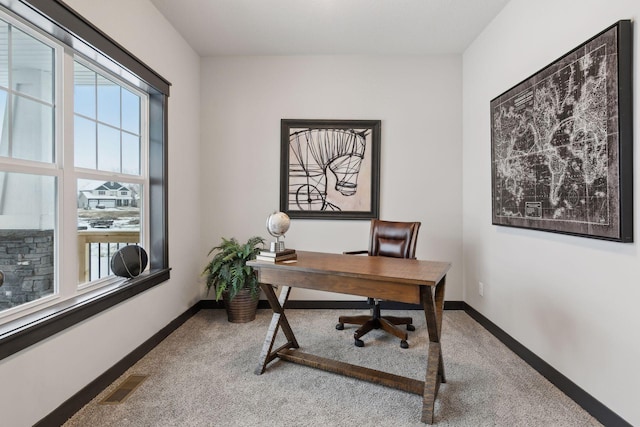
{"x":234,"y":281}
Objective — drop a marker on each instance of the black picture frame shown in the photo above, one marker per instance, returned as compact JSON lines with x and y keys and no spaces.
{"x":562,"y":143}
{"x":330,"y":169}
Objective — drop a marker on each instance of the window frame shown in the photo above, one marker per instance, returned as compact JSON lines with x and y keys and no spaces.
{"x":64,"y":24}
{"x":41,"y":168}
{"x":142,"y":179}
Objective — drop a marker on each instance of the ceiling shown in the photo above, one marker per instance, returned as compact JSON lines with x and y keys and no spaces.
{"x":329,"y":27}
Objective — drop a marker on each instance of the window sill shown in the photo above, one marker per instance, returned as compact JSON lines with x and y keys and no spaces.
{"x":24,"y":332}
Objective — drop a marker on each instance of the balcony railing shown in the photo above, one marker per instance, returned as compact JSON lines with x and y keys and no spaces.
{"x":95,"y":249}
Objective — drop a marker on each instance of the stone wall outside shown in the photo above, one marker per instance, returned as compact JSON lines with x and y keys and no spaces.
{"x":26,"y":259}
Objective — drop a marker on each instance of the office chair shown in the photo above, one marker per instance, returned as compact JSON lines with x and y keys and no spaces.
{"x":390,"y":239}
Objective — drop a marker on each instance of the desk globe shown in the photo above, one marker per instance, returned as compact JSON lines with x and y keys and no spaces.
{"x":277,"y":224}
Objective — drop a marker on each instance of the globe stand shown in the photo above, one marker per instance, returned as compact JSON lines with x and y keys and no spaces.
{"x":277,"y":225}
{"x":277,"y":246}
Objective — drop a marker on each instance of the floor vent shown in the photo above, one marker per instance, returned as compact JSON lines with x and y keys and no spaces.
{"x":124,"y":390}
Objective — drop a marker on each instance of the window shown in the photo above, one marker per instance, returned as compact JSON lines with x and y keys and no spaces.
{"x":28,"y":238}
{"x":107,"y":123}
{"x":109,"y":118}
{"x":26,"y":95}
{"x":107,"y":139}
{"x":70,"y":196}
{"x":29,"y":178}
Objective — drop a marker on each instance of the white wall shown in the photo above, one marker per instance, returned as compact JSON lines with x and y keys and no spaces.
{"x":45,"y":375}
{"x":570,"y":300}
{"x":418,"y":100}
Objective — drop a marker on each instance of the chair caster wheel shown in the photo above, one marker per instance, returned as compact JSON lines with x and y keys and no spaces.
{"x":340,"y":326}
{"x":359,"y":343}
{"x":404,"y":344}
{"x":411,"y":327}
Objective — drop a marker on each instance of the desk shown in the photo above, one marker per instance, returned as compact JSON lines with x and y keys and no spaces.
{"x":395,"y":279}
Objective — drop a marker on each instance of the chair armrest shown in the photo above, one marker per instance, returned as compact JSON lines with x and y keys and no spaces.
{"x":355,"y":252}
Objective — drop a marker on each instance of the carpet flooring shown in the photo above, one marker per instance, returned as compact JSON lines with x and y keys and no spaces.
{"x":203,"y":375}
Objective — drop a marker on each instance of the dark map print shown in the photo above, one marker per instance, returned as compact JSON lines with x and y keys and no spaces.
{"x":553,"y":144}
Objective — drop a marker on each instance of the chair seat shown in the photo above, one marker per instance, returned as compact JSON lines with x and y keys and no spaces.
{"x":391,"y":239}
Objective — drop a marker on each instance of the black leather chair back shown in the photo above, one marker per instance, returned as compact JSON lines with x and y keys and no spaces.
{"x":393,"y":239}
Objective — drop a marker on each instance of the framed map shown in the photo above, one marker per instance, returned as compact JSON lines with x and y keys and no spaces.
{"x":562,"y":143}
{"x":330,"y":169}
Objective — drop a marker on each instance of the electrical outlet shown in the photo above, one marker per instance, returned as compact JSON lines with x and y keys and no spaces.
{"x":481,"y":289}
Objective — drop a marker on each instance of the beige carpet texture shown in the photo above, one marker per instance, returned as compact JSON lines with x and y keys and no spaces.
{"x":203,"y":375}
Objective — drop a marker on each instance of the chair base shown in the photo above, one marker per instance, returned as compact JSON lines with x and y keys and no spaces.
{"x":375,"y":321}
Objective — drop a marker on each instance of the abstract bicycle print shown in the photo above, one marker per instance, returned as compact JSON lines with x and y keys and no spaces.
{"x":330,"y":168}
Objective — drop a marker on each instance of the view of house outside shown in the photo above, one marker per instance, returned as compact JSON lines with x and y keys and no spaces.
{"x":108,"y":209}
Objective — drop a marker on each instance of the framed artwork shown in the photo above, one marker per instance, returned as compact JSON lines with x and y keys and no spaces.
{"x":562,"y":143}
{"x":330,"y":169}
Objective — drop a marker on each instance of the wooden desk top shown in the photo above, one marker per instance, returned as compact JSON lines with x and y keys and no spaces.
{"x":378,"y":269}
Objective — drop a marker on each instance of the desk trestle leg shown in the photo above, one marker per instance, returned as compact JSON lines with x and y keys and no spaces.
{"x":431,"y":383}
{"x":433,"y":306}
{"x":278,"y":320}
